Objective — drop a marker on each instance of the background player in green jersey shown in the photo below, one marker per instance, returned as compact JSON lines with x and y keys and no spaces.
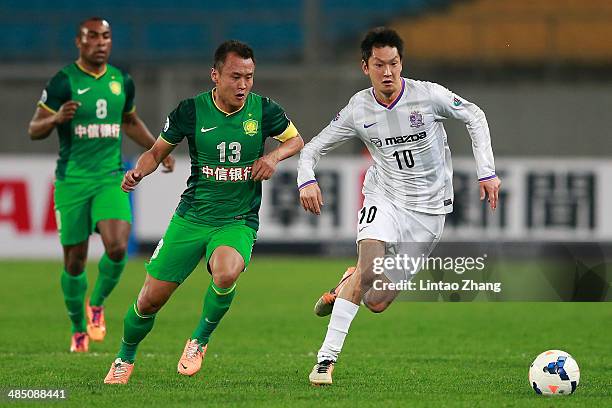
{"x":217,"y":217}
{"x":91,"y":104}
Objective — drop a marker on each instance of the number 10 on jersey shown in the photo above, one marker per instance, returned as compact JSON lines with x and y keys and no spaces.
{"x":407,"y":161}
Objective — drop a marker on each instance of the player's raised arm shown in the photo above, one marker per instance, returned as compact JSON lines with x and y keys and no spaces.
{"x":336,"y":133}
{"x":44,"y":121}
{"x":449,"y":105}
{"x":55,"y":107}
{"x":147,"y":163}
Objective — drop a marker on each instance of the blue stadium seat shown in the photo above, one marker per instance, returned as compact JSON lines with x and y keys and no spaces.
{"x":189,"y":29}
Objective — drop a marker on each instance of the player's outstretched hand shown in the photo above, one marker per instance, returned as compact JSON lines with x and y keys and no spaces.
{"x":130,"y":180}
{"x":168,"y":164}
{"x":66,"y":112}
{"x":311,"y":198}
{"x":264,"y":168}
{"x":490,"y":189}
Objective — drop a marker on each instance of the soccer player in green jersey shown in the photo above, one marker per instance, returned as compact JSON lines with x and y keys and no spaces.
{"x":91,"y":104}
{"x":217,"y":217}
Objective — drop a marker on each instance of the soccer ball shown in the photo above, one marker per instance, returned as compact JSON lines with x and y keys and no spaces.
{"x":554,"y":372}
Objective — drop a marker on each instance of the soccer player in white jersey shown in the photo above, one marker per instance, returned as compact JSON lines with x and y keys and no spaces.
{"x":407,"y":191}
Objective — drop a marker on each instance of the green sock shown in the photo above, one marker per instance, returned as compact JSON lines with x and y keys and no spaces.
{"x":74,"y":288}
{"x":136,"y":326}
{"x":216,"y":302}
{"x":108,"y":277}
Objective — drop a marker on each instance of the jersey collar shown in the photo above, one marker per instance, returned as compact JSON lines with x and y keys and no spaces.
{"x":395,"y":101}
{"x":96,"y":76}
{"x":212,"y":96}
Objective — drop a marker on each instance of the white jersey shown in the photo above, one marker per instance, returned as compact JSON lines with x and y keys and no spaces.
{"x":412,"y":161}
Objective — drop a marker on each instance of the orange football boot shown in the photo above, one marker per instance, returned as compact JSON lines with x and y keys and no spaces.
{"x":119,"y":373}
{"x":325,"y":304}
{"x":79,"y":343}
{"x":96,"y":324}
{"x":191,"y":360}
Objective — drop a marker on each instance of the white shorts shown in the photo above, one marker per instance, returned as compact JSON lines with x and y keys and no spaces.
{"x":404,"y":231}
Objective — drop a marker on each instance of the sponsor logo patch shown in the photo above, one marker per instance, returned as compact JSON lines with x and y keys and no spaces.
{"x":390,"y":141}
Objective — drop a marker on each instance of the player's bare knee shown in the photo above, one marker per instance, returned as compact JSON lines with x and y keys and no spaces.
{"x":147,"y":305}
{"x":75,"y":264}
{"x":376,"y":307}
{"x":116,"y":251}
{"x":225,"y":266}
{"x":225,"y":278}
{"x":75,"y":267}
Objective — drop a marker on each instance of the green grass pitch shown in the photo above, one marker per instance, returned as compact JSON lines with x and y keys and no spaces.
{"x":414,"y":354}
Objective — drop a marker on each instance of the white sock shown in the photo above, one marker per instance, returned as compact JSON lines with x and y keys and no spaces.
{"x":342,"y":315}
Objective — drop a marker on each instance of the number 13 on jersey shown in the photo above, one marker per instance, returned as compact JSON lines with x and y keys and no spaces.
{"x":234,"y":157}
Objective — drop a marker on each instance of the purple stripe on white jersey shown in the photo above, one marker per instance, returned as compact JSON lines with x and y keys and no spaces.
{"x":309,"y":182}
{"x":487,"y":178}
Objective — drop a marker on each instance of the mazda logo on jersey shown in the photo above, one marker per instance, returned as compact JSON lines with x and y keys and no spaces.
{"x":376,"y":141}
{"x":405,"y":139}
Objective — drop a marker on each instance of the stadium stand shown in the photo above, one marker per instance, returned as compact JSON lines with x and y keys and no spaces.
{"x":522,"y":31}
{"x":187,"y":30}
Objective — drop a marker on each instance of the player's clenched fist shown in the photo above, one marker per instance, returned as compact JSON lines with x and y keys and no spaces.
{"x":264,"y":168}
{"x":311,"y":199}
{"x":66,"y":112}
{"x":130,"y":180}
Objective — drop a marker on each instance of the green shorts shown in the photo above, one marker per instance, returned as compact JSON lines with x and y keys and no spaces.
{"x":185,"y":243}
{"x":80,"y":205}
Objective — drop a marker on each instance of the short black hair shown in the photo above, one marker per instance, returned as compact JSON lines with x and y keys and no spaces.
{"x":381,"y":37}
{"x":82,"y":23}
{"x":237,"y":47}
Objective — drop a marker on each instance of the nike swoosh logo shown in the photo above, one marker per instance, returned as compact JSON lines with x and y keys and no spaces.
{"x":209,"y":321}
{"x":204,"y":130}
{"x":365,"y":125}
{"x":184,"y":366}
{"x":82,"y":91}
{"x":362,"y":228}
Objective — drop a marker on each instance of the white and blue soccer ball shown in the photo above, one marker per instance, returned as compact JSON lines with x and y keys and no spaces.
{"x":554,"y":372}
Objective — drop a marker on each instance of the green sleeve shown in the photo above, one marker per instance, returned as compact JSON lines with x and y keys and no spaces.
{"x":130,"y":92}
{"x":56,"y":93}
{"x":274,"y":120}
{"x":180,"y":122}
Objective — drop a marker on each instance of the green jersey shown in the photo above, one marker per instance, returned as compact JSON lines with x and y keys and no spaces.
{"x":90,"y":143}
{"x":222,"y":148}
